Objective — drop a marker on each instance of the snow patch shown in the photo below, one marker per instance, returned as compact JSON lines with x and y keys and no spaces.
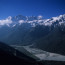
{"x":40,"y":17}
{"x":21,"y":21}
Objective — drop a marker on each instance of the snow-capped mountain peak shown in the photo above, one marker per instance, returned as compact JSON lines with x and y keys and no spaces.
{"x":33,"y":20}
{"x":40,"y":17}
{"x":55,"y":20}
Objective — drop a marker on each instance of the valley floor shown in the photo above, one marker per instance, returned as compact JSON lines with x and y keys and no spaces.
{"x":43,"y":55}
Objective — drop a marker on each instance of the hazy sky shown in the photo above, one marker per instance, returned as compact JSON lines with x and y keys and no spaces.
{"x":47,"y":8}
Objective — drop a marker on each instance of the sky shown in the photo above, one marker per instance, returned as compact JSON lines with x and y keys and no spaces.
{"x":46,"y":8}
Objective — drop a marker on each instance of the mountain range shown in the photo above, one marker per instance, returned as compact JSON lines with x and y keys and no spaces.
{"x":46,"y":34}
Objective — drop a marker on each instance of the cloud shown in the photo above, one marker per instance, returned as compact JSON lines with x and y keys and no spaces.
{"x":21,"y":21}
{"x":6,"y":21}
